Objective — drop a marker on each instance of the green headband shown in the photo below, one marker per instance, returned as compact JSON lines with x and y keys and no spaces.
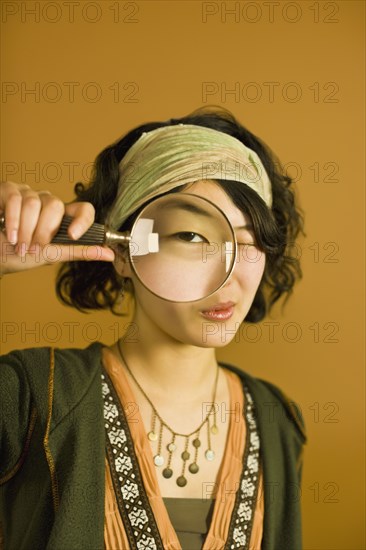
{"x":171,"y":156}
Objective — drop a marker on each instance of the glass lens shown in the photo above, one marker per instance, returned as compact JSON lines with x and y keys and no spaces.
{"x":182,"y":247}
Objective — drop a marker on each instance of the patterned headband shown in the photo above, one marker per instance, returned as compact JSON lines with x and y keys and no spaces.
{"x":171,"y":156}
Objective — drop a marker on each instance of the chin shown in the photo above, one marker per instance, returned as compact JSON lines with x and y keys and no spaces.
{"x":217,"y":343}
{"x":217,"y":335}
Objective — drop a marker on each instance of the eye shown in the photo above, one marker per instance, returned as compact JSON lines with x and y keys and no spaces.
{"x":246,"y":237}
{"x":190,"y":237}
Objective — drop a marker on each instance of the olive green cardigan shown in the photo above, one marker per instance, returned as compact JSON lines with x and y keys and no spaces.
{"x":52,"y":453}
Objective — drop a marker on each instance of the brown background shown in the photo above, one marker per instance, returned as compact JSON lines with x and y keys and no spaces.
{"x":132,"y":62}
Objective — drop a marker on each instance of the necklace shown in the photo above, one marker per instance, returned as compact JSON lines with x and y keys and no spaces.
{"x":154,"y":435}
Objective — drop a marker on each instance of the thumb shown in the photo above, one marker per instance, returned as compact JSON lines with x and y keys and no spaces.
{"x":54,"y":253}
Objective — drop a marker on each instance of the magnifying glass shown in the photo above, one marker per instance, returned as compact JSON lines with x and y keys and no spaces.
{"x":181,"y":247}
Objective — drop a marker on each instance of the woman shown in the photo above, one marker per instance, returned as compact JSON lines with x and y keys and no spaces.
{"x":152,"y":444}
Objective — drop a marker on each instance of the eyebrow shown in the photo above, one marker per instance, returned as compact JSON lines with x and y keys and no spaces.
{"x":197,"y":210}
{"x":247,"y":226}
{"x":189,"y":208}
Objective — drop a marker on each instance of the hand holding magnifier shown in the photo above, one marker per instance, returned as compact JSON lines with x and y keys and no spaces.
{"x":181,"y":247}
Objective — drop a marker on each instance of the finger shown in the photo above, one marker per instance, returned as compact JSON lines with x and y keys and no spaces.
{"x":54,"y":253}
{"x":49,"y":220}
{"x":30,"y":209}
{"x":94,"y":253}
{"x":10,"y":204}
{"x":83,"y":214}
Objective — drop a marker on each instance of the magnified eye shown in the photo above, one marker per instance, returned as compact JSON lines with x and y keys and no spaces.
{"x":190,"y":237}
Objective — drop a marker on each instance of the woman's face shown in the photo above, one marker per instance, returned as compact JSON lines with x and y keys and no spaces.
{"x":212,"y":321}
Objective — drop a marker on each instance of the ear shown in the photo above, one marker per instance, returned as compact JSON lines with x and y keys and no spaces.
{"x":121,"y":264}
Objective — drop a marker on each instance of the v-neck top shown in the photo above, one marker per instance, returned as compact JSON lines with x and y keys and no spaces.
{"x":187,"y":524}
{"x":191,"y":518}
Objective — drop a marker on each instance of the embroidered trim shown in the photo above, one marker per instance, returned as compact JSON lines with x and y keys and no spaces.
{"x":134,"y":506}
{"x":18,"y":465}
{"x":243,"y":514}
{"x":49,"y":457}
{"x":133,"y":503}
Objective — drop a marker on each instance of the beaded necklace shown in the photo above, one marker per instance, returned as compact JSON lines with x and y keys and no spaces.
{"x":155,"y":435}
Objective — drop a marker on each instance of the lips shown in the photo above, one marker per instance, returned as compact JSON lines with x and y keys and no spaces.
{"x":219,"y":312}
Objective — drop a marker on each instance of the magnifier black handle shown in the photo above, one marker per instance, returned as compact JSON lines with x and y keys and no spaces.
{"x":96,"y":234}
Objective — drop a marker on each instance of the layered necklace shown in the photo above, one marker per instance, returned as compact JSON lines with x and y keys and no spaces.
{"x":156,"y":434}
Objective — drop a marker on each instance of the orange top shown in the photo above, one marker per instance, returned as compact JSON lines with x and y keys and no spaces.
{"x":228,"y":476}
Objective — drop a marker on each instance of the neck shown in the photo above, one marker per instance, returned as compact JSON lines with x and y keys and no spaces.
{"x":187,"y":374}
{"x":170,"y":368}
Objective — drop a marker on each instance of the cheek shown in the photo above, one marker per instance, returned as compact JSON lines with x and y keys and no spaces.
{"x":251,"y":264}
{"x":161,"y":312}
{"x":251,"y":255}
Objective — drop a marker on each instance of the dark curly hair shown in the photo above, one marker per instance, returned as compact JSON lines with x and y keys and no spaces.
{"x":96,"y":285}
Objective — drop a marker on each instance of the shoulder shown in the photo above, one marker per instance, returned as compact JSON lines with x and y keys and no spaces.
{"x":273,"y":405}
{"x":67,"y":370}
{"x":36,"y":357}
{"x":42,"y":387}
